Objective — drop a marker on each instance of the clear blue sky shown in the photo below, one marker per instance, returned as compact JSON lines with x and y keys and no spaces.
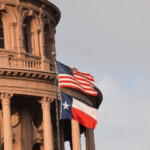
{"x":111,"y":40}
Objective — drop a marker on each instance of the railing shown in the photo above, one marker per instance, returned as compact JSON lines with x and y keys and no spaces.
{"x":24,"y":63}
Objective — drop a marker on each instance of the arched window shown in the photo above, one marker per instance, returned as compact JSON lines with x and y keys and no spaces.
{"x":47,"y":40}
{"x":1,"y":34}
{"x":27,"y":34}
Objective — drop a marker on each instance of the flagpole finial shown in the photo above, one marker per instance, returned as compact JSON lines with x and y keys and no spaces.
{"x":54,"y":55}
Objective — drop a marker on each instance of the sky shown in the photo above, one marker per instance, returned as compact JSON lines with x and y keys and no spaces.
{"x":110,"y":39}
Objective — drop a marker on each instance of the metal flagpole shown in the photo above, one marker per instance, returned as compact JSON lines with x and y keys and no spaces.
{"x":56,"y":101}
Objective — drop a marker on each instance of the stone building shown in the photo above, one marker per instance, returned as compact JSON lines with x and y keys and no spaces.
{"x":27,"y":92}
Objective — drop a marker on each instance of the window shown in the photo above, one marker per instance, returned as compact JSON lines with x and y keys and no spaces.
{"x":1,"y":34}
{"x":47,"y":41}
{"x":27,"y":34}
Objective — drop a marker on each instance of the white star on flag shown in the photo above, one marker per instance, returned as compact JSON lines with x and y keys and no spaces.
{"x":66,"y":105}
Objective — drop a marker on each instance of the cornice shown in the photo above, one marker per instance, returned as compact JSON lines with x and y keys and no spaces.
{"x":27,"y":75}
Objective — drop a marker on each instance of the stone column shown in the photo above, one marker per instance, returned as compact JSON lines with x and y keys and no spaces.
{"x":90,"y":145}
{"x":7,"y":127}
{"x":47,"y":125}
{"x":13,"y":34}
{"x":41,"y":35}
{"x":19,"y":33}
{"x":75,"y":135}
{"x":35,"y":42}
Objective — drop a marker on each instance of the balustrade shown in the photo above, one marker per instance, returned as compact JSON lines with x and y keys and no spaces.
{"x":24,"y":63}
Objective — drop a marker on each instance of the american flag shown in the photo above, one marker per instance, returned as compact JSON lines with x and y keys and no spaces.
{"x":73,"y":78}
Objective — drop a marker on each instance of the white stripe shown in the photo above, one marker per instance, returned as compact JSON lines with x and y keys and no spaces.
{"x":88,"y":91}
{"x":61,"y":75}
{"x":78,"y":76}
{"x":72,"y":80}
{"x":83,"y":73}
{"x":80,"y":81}
{"x":85,"y":108}
{"x":74,"y":77}
{"x":86,"y":81}
{"x":75,"y":80}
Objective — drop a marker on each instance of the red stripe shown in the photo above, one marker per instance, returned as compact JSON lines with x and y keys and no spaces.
{"x":76,"y":84}
{"x":81,"y":89}
{"x":73,"y":78}
{"x":84,"y":73}
{"x":64,"y":76}
{"x":76,"y":81}
{"x":94,"y":92}
{"x":75,"y":73}
{"x":75,"y":87}
{"x":81,"y":79}
{"x":79,"y":84}
{"x":83,"y":118}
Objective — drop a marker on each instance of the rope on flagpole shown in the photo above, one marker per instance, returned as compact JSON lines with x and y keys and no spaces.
{"x":56,"y":102}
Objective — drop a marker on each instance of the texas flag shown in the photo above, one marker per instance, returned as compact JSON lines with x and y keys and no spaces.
{"x":77,"y":110}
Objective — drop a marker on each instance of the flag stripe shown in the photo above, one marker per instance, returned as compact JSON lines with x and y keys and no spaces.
{"x":77,"y":77}
{"x":84,"y":85}
{"x":74,"y":109}
{"x":84,"y":80}
{"x":83,"y":73}
{"x":86,"y":88}
{"x":81,"y":80}
{"x":76,"y":87}
{"x":83,"y":118}
{"x":69,"y":81}
{"x":85,"y":108}
{"x":85,"y":77}
{"x":71,"y":77}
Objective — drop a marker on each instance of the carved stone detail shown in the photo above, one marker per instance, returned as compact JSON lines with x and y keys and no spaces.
{"x":5,"y":98}
{"x":19,"y":8}
{"x":38,"y":139}
{"x":30,"y":13}
{"x":25,"y":63}
{"x":31,"y":75}
{"x":45,"y":102}
{"x":2,"y":7}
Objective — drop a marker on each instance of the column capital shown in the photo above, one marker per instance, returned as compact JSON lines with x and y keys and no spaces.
{"x":45,"y":102}
{"x":19,"y":8}
{"x":3,"y":7}
{"x":5,"y":98}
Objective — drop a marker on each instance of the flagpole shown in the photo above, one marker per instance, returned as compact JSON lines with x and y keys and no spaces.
{"x":56,"y":101}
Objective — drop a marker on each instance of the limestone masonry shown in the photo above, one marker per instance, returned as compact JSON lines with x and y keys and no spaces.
{"x":27,"y":92}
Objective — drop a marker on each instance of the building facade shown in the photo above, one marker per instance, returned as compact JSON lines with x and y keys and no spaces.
{"x":27,"y":91}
